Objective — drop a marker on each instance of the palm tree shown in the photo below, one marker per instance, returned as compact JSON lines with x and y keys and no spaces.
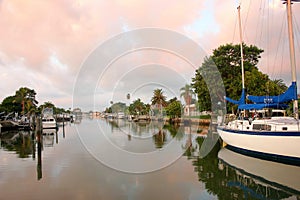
{"x":159,"y":99}
{"x":26,"y":97}
{"x":186,"y":93}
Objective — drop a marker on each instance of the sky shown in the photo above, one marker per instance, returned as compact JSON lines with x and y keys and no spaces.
{"x":89,"y":53}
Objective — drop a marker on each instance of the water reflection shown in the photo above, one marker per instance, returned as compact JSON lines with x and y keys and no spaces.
{"x":18,"y":141}
{"x":58,"y":160}
{"x":230,"y":175}
{"x":270,"y":175}
{"x":138,"y":133}
{"x":29,"y":144}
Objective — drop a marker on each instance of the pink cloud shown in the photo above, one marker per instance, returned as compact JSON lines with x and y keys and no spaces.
{"x":33,"y":31}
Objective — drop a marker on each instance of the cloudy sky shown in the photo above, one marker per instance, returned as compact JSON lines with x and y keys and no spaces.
{"x":88,"y":53}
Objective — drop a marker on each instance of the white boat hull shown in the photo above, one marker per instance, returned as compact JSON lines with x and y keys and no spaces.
{"x":284,"y":175}
{"x":49,"y":123}
{"x":277,"y":146}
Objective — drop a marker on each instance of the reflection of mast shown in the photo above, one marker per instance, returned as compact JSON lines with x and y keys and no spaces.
{"x":33,"y":146}
{"x":39,"y":148}
{"x":64,"y":129}
{"x":56,"y":137}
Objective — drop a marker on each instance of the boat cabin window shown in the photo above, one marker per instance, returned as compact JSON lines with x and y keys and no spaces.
{"x":261,"y":127}
{"x":284,"y":128}
{"x":278,"y":114}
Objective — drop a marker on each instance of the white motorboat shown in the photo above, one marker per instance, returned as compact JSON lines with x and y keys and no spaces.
{"x":48,"y":120}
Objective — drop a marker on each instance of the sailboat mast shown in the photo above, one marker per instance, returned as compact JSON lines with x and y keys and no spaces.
{"x":292,"y":51}
{"x":242,"y":55}
{"x":241,"y":47}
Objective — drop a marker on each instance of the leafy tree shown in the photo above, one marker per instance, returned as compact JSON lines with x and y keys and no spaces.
{"x":138,"y":108}
{"x":158,"y":98}
{"x":205,"y":76}
{"x":118,"y":107}
{"x":10,"y":105}
{"x":186,"y":93}
{"x":227,"y":60}
{"x":108,"y":110}
{"x":173,"y":109}
{"x":26,"y":97}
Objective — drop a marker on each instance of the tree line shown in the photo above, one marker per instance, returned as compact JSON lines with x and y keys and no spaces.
{"x":24,"y":102}
{"x":225,"y":61}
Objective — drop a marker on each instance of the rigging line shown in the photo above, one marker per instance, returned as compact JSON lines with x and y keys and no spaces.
{"x":256,"y":34}
{"x":244,"y":28}
{"x":234,"y":30}
{"x":282,"y":55}
{"x":297,"y":31}
{"x":281,"y":41}
{"x":262,"y":24}
{"x":268,"y":45}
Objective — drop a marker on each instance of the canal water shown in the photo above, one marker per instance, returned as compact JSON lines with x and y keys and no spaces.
{"x":117,"y":159}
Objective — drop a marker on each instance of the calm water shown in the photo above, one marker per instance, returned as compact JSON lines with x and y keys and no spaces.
{"x":98,"y":159}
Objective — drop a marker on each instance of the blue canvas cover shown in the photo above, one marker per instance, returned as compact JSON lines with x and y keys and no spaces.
{"x":261,"y":102}
{"x":289,"y":95}
{"x":261,"y":106}
{"x":238,"y":102}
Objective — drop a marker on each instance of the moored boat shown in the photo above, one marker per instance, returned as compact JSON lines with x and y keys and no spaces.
{"x":272,"y":138}
{"x":48,"y":120}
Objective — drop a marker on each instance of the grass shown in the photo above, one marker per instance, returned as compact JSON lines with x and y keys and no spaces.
{"x":199,"y":117}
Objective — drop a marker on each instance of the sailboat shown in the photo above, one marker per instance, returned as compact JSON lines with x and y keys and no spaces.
{"x":273,"y":138}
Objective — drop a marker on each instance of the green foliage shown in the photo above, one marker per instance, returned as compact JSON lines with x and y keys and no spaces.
{"x":108,"y":110}
{"x":10,"y":105}
{"x":56,"y":110}
{"x":173,"y":109}
{"x":186,"y":93}
{"x":201,"y":117}
{"x":158,"y":98}
{"x":26,"y":98}
{"x":139,"y":108}
{"x":22,"y":102}
{"x":227,"y":59}
{"x":118,"y":107}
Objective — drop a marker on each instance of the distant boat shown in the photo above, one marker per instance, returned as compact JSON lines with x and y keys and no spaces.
{"x":273,"y":138}
{"x":63,"y":117}
{"x":142,"y":119}
{"x":48,"y":120}
{"x":121,"y":115}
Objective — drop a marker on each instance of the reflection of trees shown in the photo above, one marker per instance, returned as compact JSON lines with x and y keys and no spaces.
{"x":227,"y":182}
{"x":20,"y":142}
{"x":175,"y":130}
{"x":160,"y":139}
{"x":113,"y":124}
{"x":139,"y":128}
